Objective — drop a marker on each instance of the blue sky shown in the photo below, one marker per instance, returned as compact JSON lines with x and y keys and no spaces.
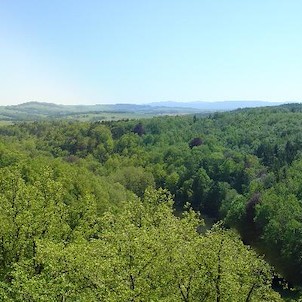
{"x":138,"y":51}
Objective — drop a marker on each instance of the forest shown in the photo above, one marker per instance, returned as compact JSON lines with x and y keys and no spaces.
{"x":113,"y":210}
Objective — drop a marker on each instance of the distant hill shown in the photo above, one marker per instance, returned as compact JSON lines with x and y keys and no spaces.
{"x":217,"y":106}
{"x":32,"y":111}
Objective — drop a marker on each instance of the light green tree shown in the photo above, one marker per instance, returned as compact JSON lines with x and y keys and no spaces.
{"x":144,"y":253}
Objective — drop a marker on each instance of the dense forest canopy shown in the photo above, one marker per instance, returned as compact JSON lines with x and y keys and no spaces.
{"x":88,"y":209}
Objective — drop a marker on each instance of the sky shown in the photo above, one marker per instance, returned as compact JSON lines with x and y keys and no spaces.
{"x":140,"y":51}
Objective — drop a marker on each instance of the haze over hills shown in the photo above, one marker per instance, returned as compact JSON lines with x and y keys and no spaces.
{"x":217,"y":106}
{"x":42,"y":110}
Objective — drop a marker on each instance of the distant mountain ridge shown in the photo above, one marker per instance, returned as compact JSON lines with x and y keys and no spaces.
{"x":31,"y":111}
{"x":222,"y":105}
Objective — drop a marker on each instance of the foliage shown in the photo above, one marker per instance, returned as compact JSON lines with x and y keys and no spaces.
{"x":144,"y":253}
{"x":74,"y":204}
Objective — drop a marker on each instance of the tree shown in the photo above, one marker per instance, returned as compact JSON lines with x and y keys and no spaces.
{"x":195,"y":142}
{"x":139,"y":129}
{"x":135,"y":179}
{"x":145,"y":253}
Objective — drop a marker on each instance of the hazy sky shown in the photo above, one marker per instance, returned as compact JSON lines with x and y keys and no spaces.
{"x":113,"y":51}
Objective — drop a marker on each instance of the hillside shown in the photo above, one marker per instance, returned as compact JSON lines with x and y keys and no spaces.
{"x":217,"y":106}
{"x":87,"y":208}
{"x":31,"y":111}
{"x":34,"y":111}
